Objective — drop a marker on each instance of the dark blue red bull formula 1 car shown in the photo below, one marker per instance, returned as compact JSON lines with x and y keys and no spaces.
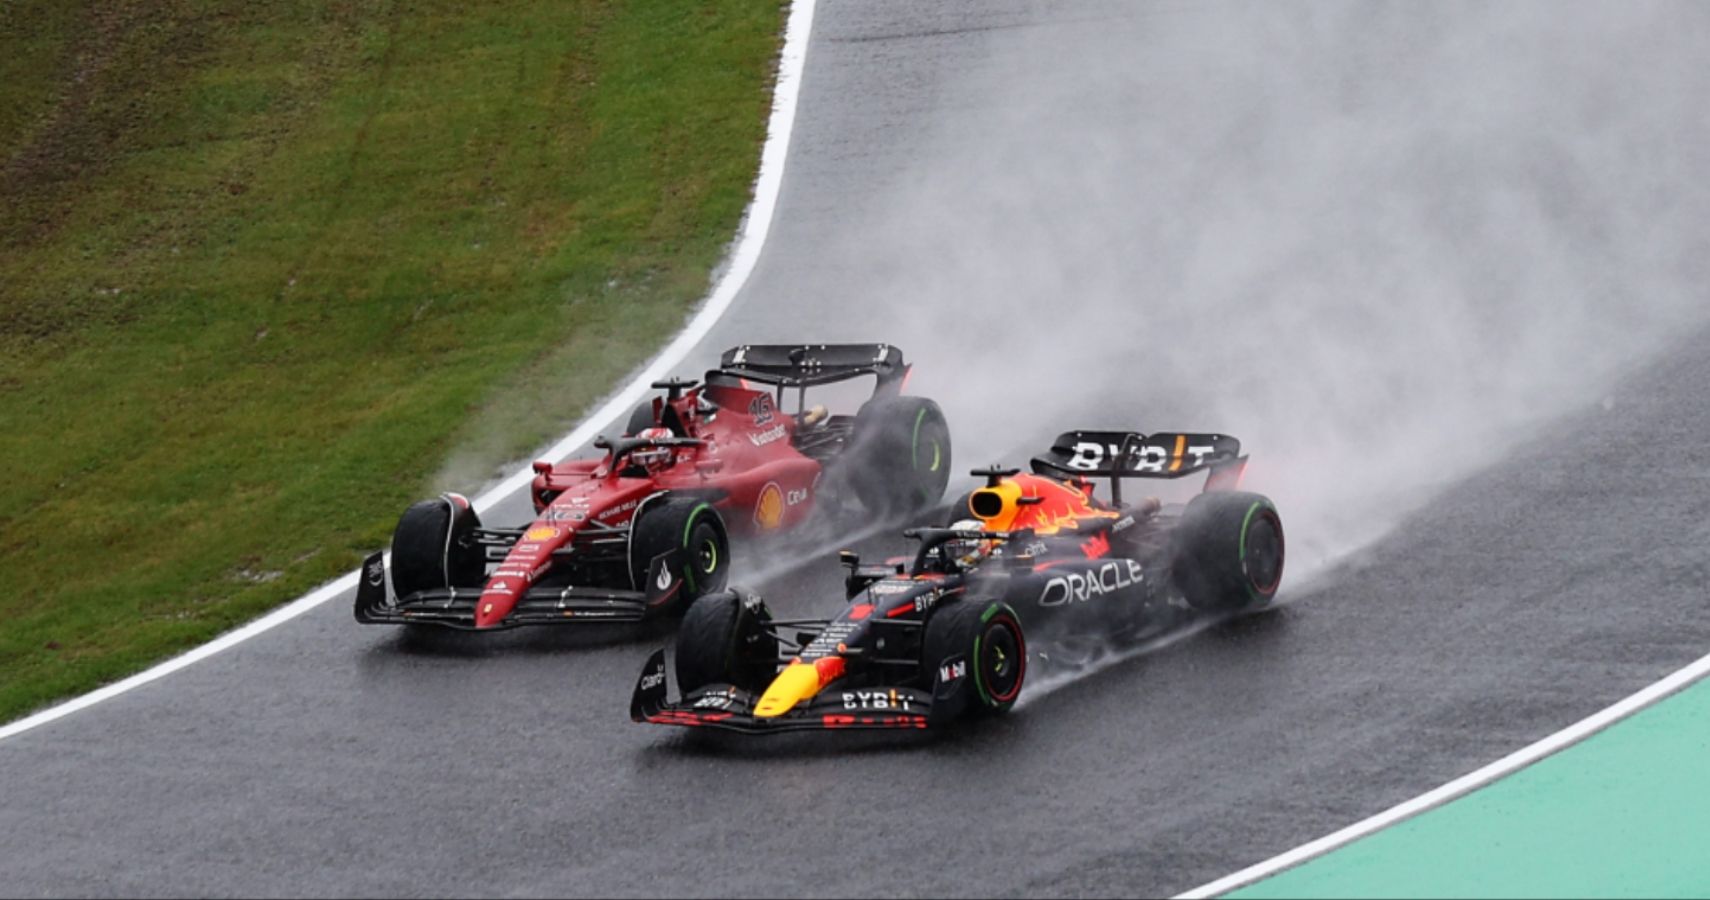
{"x":1028,"y":556}
{"x":644,"y":529}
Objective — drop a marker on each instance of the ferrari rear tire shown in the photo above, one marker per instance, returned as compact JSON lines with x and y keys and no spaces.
{"x":692,"y":527}
{"x":434,"y":546}
{"x":981,"y":645}
{"x":723,"y":640}
{"x":899,"y":455}
{"x":1227,"y":552}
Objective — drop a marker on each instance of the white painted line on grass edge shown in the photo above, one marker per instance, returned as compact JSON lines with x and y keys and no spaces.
{"x":1507,"y":765}
{"x":757,"y":223}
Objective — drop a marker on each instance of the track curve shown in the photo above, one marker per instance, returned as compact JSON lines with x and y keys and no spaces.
{"x":1551,"y":560}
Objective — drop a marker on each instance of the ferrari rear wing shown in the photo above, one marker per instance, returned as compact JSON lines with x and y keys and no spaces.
{"x":806,"y":365}
{"x":729,"y":708}
{"x":1129,"y":454}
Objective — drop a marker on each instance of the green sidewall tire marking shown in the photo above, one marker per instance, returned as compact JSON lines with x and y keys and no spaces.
{"x":914,"y":453}
{"x":711,"y":547}
{"x":689,"y":526}
{"x":978,"y":660}
{"x":914,"y":442}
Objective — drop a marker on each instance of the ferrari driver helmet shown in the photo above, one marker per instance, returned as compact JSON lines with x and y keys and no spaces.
{"x":654,"y":459}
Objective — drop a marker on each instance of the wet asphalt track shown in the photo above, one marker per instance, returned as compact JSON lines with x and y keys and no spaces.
{"x":327,"y":759}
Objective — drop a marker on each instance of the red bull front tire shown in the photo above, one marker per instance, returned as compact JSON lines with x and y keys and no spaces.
{"x":978,"y":653}
{"x":724,"y":640}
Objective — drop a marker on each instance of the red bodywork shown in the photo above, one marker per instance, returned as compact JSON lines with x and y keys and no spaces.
{"x":747,"y":463}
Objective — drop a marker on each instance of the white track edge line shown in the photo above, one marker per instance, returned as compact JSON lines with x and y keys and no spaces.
{"x":1465,"y":784}
{"x":757,"y":223}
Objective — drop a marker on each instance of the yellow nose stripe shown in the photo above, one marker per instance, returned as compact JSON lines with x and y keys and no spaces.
{"x":793,"y":685}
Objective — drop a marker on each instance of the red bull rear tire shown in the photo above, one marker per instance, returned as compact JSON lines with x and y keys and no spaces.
{"x":1228,"y":551}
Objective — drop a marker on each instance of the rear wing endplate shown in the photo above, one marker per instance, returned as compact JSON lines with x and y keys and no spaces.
{"x":805,"y":365}
{"x":1129,"y":454}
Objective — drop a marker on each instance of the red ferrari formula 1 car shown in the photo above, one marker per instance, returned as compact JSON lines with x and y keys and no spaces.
{"x":645,"y":529}
{"x":1031,"y":555}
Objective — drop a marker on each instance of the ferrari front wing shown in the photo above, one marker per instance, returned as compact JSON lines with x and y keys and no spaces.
{"x":454,"y":607}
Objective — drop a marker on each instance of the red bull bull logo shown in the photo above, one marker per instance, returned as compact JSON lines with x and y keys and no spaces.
{"x":1052,"y":505}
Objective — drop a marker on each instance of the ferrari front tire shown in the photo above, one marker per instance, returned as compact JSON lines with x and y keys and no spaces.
{"x":434,"y":546}
{"x":692,"y":527}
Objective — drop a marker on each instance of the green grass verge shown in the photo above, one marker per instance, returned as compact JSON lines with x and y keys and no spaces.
{"x":270,"y":271}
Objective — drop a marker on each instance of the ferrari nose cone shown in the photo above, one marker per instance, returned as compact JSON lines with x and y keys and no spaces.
{"x":487,"y":614}
{"x":497,"y":601}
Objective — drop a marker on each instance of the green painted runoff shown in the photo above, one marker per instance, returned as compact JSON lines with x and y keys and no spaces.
{"x":1621,"y":814}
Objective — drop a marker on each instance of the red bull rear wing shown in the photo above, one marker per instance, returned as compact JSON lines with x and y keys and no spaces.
{"x":1130,"y":454}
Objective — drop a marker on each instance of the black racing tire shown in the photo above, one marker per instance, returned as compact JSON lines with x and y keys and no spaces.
{"x":641,"y":418}
{"x":1227,"y":552}
{"x":988,"y":636}
{"x":692,"y":526}
{"x":898,"y":460}
{"x":434,"y":546}
{"x":723,"y":640}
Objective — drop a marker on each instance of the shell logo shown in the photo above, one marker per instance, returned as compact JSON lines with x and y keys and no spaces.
{"x":540,"y":533}
{"x":769,"y":509}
